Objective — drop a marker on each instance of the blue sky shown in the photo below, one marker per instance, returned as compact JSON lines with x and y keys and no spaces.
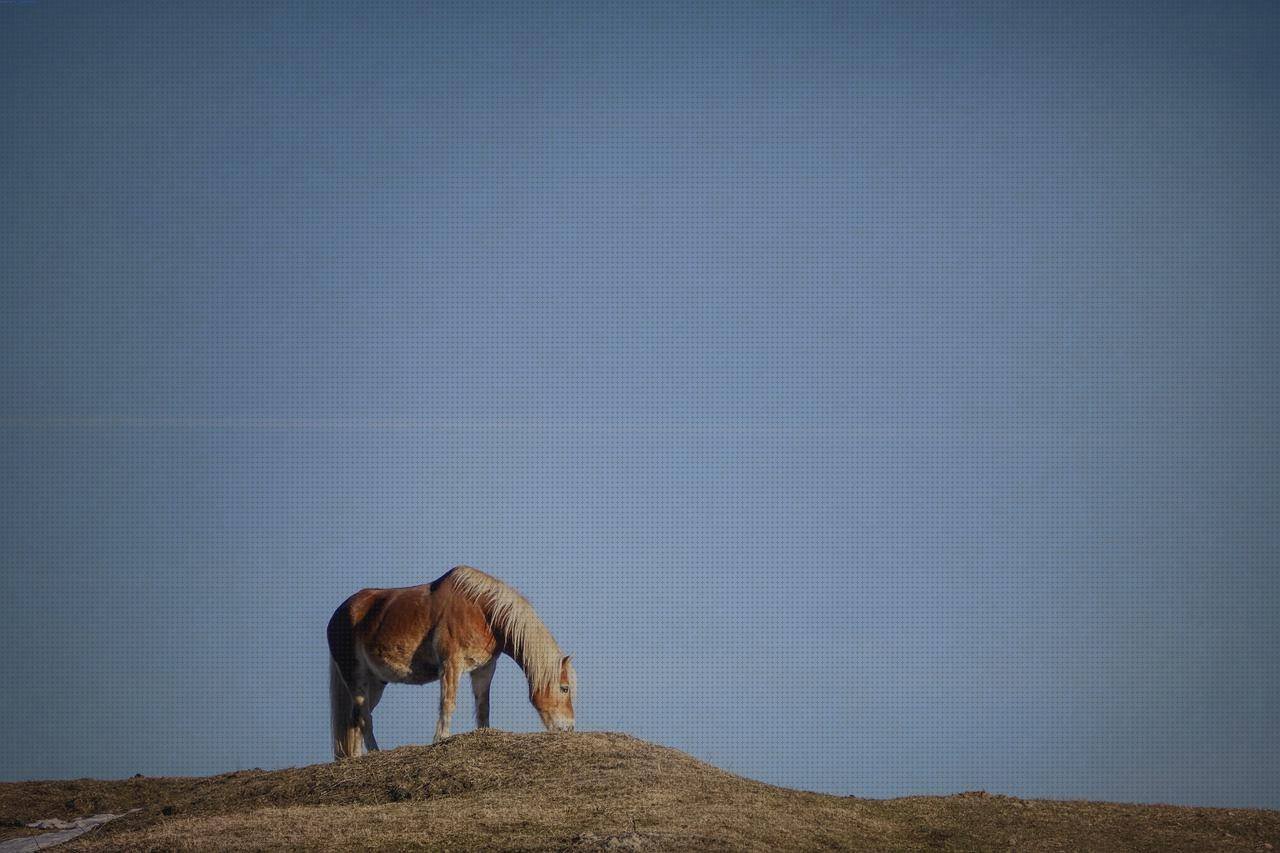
{"x":876,"y":398}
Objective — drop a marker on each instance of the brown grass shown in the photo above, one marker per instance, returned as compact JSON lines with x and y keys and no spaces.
{"x":491,"y":789}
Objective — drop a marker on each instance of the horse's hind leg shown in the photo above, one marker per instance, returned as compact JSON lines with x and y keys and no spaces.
{"x":372,"y":695}
{"x":345,"y":715}
{"x":480,"y":680}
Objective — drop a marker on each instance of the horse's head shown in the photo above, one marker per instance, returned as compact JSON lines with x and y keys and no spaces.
{"x":555,"y":703}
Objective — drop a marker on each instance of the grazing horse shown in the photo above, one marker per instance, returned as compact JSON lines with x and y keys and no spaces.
{"x":458,"y":623}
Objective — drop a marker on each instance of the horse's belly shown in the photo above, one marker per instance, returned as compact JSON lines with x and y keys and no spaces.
{"x":390,"y":666}
{"x":421,"y":672}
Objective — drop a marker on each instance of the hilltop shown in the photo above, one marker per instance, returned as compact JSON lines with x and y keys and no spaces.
{"x":586,"y":791}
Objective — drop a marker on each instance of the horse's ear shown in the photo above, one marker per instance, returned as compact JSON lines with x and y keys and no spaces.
{"x":565,"y":661}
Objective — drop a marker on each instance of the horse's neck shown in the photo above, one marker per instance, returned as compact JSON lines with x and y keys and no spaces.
{"x":535,"y":652}
{"x":513,"y":623}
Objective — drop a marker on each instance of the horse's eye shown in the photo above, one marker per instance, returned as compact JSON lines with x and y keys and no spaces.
{"x":564,"y":688}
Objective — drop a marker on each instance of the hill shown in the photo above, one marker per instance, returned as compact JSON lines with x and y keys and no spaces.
{"x":588,"y":791}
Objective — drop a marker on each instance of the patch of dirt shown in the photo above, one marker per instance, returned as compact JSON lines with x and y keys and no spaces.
{"x":490,"y":789}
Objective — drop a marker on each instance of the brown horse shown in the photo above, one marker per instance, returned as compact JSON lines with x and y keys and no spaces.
{"x":458,"y":623}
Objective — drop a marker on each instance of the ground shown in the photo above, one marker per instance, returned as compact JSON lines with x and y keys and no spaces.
{"x":587,"y":791}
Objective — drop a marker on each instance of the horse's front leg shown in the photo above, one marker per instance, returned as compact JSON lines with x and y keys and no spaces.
{"x":449,"y":675}
{"x":481,"y":677}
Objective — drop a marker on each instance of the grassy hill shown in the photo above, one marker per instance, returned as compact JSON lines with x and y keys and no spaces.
{"x":588,"y":791}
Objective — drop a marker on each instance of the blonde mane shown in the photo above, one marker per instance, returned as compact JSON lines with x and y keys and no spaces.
{"x":513,"y":619}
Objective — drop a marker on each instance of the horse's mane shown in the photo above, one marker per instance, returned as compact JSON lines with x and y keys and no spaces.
{"x":512,"y":616}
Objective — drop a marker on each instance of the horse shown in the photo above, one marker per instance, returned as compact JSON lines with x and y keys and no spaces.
{"x":461,"y":622}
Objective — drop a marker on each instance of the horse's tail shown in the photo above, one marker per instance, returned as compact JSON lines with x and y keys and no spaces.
{"x":347,"y":738}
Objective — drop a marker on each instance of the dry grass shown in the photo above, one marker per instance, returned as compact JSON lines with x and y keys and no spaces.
{"x":490,"y":789}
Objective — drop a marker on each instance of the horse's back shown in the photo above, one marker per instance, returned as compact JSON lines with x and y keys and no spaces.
{"x":392,"y":630}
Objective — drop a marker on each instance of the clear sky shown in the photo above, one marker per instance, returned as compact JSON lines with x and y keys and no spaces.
{"x":876,"y":398}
